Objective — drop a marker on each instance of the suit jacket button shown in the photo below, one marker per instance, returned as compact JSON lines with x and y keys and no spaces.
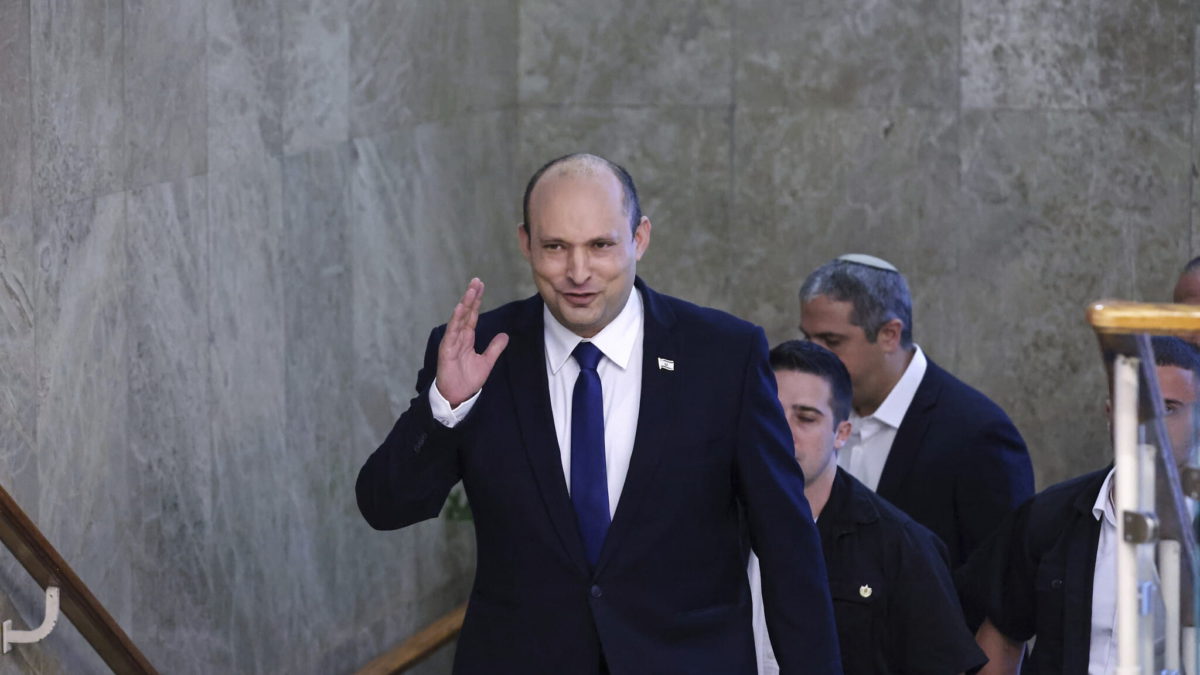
{"x":1056,"y":584}
{"x":596,"y":592}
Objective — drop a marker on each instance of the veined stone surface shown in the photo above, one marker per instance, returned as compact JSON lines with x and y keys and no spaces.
{"x":166,"y":106}
{"x":629,"y":53}
{"x":171,"y":468}
{"x":847,"y":53}
{"x":424,"y":60}
{"x":316,"y":73}
{"x":78,"y":80}
{"x":16,"y":110}
{"x":245,"y":84}
{"x":83,"y":422}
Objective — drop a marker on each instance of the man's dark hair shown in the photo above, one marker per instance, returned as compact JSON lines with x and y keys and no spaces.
{"x":877,"y":295}
{"x":802,"y":356}
{"x":629,"y":196}
{"x":1173,"y":351}
{"x":1192,"y":266}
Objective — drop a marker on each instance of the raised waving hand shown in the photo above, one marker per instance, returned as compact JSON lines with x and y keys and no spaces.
{"x":461,"y":371}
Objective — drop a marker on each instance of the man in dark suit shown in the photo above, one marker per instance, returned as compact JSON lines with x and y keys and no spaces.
{"x":923,"y":440}
{"x":612,"y":442}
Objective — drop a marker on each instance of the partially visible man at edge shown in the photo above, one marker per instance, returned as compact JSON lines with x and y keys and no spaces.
{"x":610,"y":439}
{"x":893,"y":597}
{"x":1187,"y":288}
{"x":931,"y":445}
{"x":1049,"y":570}
{"x":1187,"y":291}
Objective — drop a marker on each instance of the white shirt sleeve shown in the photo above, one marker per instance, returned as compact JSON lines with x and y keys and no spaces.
{"x":442,"y":412}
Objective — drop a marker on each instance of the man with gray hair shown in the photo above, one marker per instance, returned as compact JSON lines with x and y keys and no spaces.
{"x":931,"y":445}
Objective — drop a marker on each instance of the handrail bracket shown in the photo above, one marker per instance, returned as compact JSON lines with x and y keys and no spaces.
{"x":9,"y":637}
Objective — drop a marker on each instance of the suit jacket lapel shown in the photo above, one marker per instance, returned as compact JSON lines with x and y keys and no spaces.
{"x":529,"y":392}
{"x":658,"y":397}
{"x":907,"y":443}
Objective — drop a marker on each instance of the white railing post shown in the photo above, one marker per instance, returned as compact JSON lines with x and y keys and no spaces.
{"x":1125,"y":445}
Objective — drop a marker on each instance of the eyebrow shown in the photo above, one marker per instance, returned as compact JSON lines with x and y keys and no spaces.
{"x":593,"y":240}
{"x":807,"y":408}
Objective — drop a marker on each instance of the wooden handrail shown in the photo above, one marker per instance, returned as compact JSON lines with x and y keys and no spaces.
{"x":419,"y":647}
{"x":48,"y":568}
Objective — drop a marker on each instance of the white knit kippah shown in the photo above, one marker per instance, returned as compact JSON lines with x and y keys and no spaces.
{"x":869,"y":261}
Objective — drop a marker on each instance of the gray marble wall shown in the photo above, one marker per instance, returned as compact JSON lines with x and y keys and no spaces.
{"x":1015,"y":158}
{"x":226,"y":229}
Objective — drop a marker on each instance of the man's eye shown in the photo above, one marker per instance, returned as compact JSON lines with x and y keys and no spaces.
{"x":602,"y":244}
{"x":552,"y":247}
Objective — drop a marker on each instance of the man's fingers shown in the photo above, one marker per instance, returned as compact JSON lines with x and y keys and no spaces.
{"x":476,"y":302}
{"x":460,"y":329}
{"x":494,"y":348}
{"x":478,"y":293}
{"x":468,"y":299}
{"x":453,"y":326}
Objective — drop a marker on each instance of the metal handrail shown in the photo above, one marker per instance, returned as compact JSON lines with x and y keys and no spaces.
{"x":48,"y":568}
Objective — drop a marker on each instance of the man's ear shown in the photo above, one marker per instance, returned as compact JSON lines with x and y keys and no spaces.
{"x":641,"y":237}
{"x":841,"y":434}
{"x":890,"y":334}
{"x":523,"y":239}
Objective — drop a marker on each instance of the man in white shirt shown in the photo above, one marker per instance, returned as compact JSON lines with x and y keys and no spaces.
{"x":931,"y":445}
{"x":1050,"y":568}
{"x":613,"y":442}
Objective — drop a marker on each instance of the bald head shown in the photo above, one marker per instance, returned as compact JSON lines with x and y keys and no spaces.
{"x":1187,"y":289}
{"x":585,"y":165}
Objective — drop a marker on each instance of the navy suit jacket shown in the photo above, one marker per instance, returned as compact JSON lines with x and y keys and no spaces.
{"x":957,"y":466}
{"x":669,"y":593}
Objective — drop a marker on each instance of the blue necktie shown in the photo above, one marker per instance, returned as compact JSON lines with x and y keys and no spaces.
{"x":589,"y":477}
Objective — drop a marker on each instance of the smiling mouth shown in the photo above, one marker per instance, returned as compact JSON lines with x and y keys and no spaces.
{"x":579,"y":299}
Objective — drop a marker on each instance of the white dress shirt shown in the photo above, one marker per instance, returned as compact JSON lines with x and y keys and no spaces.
{"x":620,"y":379}
{"x":767,"y":665}
{"x":1102,"y":650}
{"x":870,"y":442}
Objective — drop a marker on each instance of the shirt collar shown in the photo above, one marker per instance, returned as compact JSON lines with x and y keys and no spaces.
{"x":1103,"y":508}
{"x":849,"y":506}
{"x":891,"y":411}
{"x":615,"y":341}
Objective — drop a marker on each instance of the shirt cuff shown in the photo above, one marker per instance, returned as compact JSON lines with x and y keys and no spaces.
{"x":442,"y":412}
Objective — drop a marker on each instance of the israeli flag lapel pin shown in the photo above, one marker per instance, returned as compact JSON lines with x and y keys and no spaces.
{"x":666,"y":364}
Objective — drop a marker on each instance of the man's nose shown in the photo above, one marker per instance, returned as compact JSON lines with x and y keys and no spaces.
{"x":578,"y":266}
